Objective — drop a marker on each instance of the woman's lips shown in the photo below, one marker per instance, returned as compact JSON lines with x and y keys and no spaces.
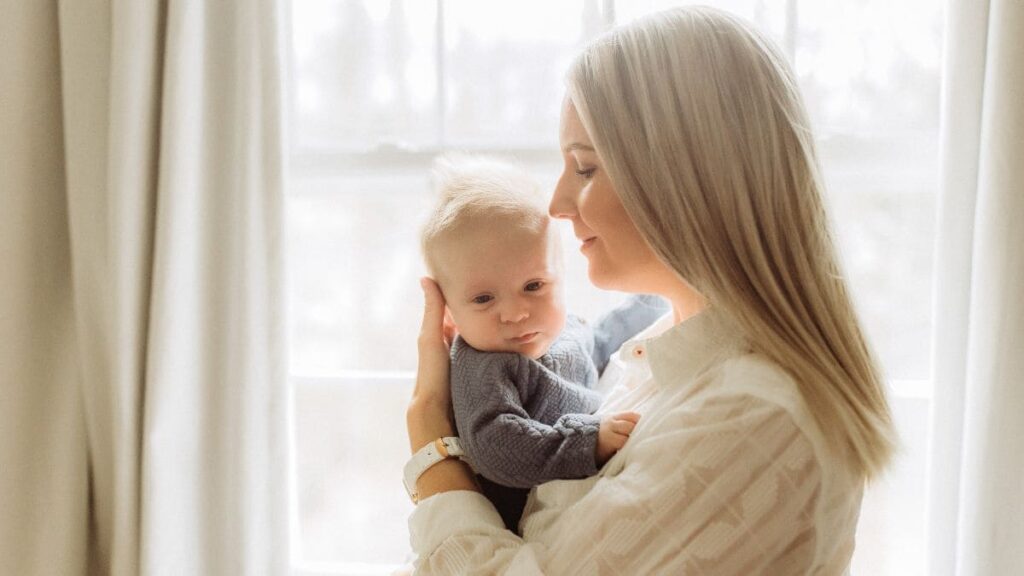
{"x":525,"y":338}
{"x":587,"y":243}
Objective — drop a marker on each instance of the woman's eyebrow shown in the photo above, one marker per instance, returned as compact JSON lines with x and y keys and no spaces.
{"x":578,"y":146}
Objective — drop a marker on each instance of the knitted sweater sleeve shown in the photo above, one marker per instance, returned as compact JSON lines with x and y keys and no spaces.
{"x":503,"y":442}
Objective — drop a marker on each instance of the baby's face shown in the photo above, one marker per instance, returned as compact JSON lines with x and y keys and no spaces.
{"x":504,"y":290}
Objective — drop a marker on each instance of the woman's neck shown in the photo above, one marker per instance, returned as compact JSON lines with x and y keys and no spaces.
{"x":686,"y":302}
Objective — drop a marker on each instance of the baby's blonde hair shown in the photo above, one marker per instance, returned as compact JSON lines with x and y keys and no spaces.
{"x":474,"y":190}
{"x":700,"y":125}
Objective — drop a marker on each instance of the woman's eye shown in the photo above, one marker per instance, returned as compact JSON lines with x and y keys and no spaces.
{"x":483,"y":299}
{"x":534,"y":286}
{"x":587,"y":174}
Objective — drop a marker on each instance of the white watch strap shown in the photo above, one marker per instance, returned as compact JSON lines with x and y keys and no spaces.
{"x":424,"y":458}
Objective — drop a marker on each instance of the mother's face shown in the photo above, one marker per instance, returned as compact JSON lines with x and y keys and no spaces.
{"x":618,"y":257}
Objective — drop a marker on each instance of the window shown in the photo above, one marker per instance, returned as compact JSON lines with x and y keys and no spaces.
{"x":380,"y":87}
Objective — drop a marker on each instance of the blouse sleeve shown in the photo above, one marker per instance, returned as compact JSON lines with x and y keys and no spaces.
{"x":726,"y":487}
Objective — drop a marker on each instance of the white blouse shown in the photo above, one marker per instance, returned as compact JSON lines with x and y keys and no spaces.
{"x":726,"y":473}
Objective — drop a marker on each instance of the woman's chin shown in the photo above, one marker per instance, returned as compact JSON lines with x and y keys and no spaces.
{"x":607,"y":278}
{"x":601,"y":278}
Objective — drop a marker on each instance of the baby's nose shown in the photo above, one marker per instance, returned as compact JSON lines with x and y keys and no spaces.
{"x":514,"y":315}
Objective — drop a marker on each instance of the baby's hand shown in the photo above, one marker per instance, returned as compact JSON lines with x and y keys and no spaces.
{"x":613,"y":433}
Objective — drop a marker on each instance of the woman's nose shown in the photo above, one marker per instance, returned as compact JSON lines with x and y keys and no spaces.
{"x":563,"y":201}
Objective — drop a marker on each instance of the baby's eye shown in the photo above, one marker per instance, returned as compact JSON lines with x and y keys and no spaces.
{"x":483,"y":299}
{"x":534,"y":286}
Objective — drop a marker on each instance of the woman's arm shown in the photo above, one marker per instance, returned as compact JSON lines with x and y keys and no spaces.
{"x":429,"y":414}
{"x":727,"y":487}
{"x":427,"y":423}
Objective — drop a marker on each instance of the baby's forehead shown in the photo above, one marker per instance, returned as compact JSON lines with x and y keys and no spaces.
{"x":507,"y":227}
{"x":496,"y":253}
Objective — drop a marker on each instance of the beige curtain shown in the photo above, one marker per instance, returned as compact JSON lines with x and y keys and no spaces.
{"x":975,"y":504}
{"x":143,"y":400}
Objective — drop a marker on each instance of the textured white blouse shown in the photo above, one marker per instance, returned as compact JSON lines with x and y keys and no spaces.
{"x":726,"y":473}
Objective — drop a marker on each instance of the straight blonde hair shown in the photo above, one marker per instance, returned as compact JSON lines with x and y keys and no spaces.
{"x":700,"y":125}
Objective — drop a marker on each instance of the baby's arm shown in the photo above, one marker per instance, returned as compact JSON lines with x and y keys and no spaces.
{"x":541,"y":453}
{"x":516,"y":451}
{"x":502,"y":441}
{"x":624,"y":322}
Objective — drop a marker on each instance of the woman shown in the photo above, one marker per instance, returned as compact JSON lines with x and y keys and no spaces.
{"x":690,"y":172}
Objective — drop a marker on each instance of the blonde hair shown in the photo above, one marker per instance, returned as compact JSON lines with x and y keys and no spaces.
{"x":700,"y":125}
{"x":474,"y":190}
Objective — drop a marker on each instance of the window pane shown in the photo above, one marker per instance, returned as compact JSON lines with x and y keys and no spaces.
{"x":871,"y":67}
{"x":869,"y":71}
{"x":355,"y":302}
{"x":353,"y":238}
{"x":505,"y":67}
{"x":883,"y":193}
{"x":626,"y":10}
{"x":365,"y":73}
{"x":351,"y":447}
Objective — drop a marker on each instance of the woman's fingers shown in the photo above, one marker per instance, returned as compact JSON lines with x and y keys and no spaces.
{"x":432,"y":370}
{"x":433,"y":309}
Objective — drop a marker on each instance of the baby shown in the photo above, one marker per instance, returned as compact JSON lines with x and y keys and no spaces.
{"x":523,"y":371}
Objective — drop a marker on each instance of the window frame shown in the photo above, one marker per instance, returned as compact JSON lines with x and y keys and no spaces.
{"x":317,"y":160}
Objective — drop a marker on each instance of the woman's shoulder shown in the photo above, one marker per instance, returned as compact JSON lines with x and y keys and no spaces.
{"x":742,"y":386}
{"x":766,"y":384}
{"x":754,"y":374}
{"x":756,"y":382}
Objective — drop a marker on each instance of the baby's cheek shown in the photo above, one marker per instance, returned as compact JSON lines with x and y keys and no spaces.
{"x":482,"y":335}
{"x":471,"y":335}
{"x":557,"y":317}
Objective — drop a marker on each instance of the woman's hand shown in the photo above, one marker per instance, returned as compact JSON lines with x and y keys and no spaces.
{"x":435,"y":340}
{"x":429,"y":415}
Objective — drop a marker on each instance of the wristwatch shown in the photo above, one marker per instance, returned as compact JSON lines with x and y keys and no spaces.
{"x":424,"y":458}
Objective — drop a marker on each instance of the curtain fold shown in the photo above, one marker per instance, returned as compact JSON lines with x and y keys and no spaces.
{"x":44,"y":485}
{"x":158,"y":400}
{"x":975,"y":511}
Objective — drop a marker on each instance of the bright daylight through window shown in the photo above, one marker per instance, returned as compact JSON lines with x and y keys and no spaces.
{"x":379,"y":87}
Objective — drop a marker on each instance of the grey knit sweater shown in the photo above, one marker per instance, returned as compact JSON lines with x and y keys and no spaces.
{"x":523,"y":422}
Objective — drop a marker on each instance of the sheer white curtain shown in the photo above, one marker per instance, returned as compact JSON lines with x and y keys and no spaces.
{"x":144,"y":404}
{"x":976,"y":510}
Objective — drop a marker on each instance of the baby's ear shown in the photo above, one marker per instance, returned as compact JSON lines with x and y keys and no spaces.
{"x":449,"y":328}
